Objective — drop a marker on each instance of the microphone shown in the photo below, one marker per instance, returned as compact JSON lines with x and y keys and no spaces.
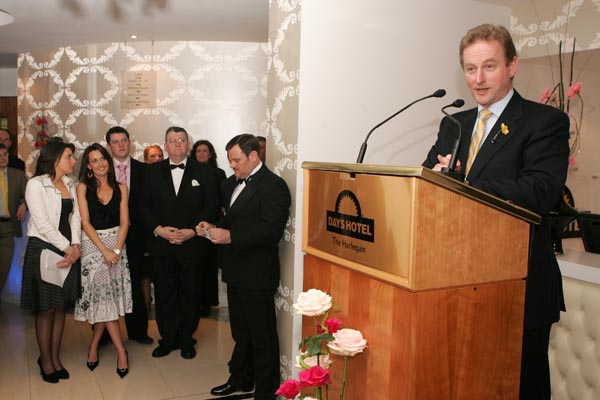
{"x":449,"y":170}
{"x":363,"y":147}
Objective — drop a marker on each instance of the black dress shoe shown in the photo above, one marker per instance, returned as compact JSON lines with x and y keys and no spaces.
{"x":161,"y":351}
{"x":144,"y":340}
{"x":62,"y":374}
{"x":227,"y":388}
{"x":188,"y":352}
{"x":123,"y":371}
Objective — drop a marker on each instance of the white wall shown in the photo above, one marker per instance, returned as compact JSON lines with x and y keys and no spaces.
{"x":8,"y":82}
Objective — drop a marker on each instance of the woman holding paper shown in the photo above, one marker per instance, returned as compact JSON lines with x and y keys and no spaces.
{"x":105,"y":275}
{"x":54,"y":224}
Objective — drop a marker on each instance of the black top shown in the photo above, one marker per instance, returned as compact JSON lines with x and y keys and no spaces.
{"x":64,"y":226}
{"x":103,"y":216}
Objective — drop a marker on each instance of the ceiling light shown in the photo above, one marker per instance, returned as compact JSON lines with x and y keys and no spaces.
{"x":5,"y":18}
{"x":133,"y":37}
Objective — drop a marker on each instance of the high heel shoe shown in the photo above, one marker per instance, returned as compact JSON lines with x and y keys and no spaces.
{"x":51,"y":377}
{"x":62,"y":374}
{"x":122,"y":372}
{"x":93,"y":364}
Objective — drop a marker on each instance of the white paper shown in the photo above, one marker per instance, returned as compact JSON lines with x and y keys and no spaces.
{"x":49,"y":271}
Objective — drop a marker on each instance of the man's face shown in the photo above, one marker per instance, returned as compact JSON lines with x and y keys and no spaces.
{"x":5,"y":139}
{"x":242,"y":164}
{"x":177,"y":146}
{"x":119,"y":146}
{"x":3,"y":158}
{"x":488,"y":76}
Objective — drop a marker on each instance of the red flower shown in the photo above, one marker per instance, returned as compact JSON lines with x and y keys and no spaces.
{"x":41,"y":121}
{"x":333,"y":325}
{"x":316,"y":376}
{"x":320,"y":330}
{"x":289,"y":389}
{"x":574,"y":90}
{"x":545,"y":95}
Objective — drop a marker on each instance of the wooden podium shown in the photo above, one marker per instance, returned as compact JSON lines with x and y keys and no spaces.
{"x":430,"y":270}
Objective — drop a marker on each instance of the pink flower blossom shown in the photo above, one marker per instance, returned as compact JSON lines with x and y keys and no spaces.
{"x":289,"y":389}
{"x":574,"y":90}
{"x":316,"y":376}
{"x":545,"y":95}
{"x":347,"y":343}
{"x":571,"y":160}
{"x":333,"y":325}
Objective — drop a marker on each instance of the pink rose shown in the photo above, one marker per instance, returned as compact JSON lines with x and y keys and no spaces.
{"x":333,"y":325}
{"x":312,"y":303}
{"x":545,"y":95}
{"x":316,"y":376}
{"x":347,"y":342}
{"x":289,"y":389}
{"x":574,"y":90}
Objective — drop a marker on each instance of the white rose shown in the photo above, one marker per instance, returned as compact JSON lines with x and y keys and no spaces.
{"x":313,"y":303}
{"x":324,"y":361}
{"x":347,"y":342}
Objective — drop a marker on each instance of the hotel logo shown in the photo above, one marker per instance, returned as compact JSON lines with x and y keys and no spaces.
{"x":354,"y":226}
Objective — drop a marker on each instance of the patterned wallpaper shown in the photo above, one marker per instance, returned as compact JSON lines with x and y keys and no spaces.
{"x":213,"y":89}
{"x":282,"y":145}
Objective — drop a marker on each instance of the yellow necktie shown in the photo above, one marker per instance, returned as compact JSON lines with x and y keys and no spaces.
{"x":484,"y":115}
{"x":4,"y":190}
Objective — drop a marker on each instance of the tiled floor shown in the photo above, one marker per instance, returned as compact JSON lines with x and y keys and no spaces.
{"x":171,"y":377}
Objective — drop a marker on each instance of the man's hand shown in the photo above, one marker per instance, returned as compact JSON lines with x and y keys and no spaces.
{"x":219,"y":235}
{"x":203,"y":227}
{"x":444,"y":161}
{"x":21,"y":210}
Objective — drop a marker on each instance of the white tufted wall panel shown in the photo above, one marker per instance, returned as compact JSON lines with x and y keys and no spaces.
{"x":575,"y":344}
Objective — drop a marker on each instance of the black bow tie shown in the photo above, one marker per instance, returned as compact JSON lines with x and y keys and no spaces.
{"x":182,"y":166}
{"x":239,"y":181}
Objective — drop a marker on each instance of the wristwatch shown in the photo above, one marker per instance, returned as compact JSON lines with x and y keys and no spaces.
{"x":117,"y":252}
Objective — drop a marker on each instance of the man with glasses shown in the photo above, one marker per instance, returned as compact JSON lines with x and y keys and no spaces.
{"x":13,"y":161}
{"x":180,"y":193}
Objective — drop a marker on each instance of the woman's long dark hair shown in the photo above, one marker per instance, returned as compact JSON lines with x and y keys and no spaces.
{"x":50,"y":155}
{"x":212,"y":161}
{"x":90,"y":181}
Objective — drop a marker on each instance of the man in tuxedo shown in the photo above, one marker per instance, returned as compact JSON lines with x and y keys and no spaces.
{"x":517,"y":150}
{"x":13,"y":161}
{"x":180,"y":193}
{"x":257,"y":204}
{"x":131,"y":172}
{"x":12,"y":211}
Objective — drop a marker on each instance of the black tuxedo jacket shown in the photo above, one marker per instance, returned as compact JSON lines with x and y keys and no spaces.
{"x":197,"y":200}
{"x":137,"y":236}
{"x":527,"y":166}
{"x":256,"y":221}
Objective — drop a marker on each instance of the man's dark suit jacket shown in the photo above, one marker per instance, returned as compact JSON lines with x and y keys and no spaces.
{"x":527,"y":166}
{"x":256,"y":221}
{"x":16,"y":195}
{"x":197,"y":200}
{"x":137,"y":235}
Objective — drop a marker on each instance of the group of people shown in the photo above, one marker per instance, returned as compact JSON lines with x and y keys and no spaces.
{"x":527,"y":165}
{"x":122,"y":215}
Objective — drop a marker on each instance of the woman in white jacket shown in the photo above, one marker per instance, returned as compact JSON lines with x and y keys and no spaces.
{"x":54,"y":224}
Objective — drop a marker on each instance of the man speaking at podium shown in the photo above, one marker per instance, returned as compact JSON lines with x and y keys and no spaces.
{"x":517,"y":150}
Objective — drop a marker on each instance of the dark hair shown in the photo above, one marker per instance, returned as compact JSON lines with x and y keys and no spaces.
{"x":212,"y":161}
{"x":261,"y":139}
{"x":247,"y":142}
{"x":50,"y":154}
{"x":176,"y":129}
{"x":489,"y":32}
{"x":152,"y":146}
{"x":113,"y":130}
{"x":90,"y":181}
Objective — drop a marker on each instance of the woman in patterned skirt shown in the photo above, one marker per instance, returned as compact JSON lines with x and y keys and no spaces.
{"x":54,"y":224}
{"x":105,"y":278}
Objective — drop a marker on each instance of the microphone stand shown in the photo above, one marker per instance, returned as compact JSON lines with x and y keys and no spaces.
{"x":450,"y":170}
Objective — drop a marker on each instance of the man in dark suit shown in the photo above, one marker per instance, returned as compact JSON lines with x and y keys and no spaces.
{"x":131,"y":172}
{"x":12,"y":211}
{"x":521,"y":157}
{"x":257,"y":204}
{"x":13,"y":161}
{"x":180,"y":193}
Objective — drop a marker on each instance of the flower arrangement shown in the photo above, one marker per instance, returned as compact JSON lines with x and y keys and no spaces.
{"x":556,"y":97}
{"x":41,"y":137}
{"x":329,"y":336}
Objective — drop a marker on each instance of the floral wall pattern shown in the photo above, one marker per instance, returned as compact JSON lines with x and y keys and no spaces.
{"x":213,"y":89}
